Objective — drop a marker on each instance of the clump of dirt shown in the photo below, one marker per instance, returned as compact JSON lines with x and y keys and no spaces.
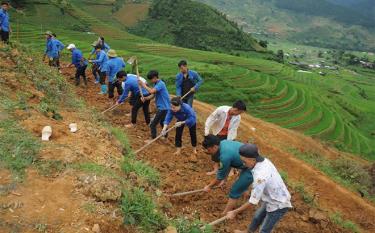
{"x":102,"y":188}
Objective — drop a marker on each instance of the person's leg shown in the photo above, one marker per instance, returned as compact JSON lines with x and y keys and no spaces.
{"x":193,"y":137}
{"x":5,"y":37}
{"x":111,"y":90}
{"x":239,"y":187}
{"x":163,"y":116}
{"x":137,"y":105}
{"x":271,"y":219}
{"x":146,"y":111}
{"x":119,"y":88}
{"x":95,"y":73}
{"x":77,"y":76}
{"x":102,"y":83}
{"x":178,"y":139}
{"x":155,"y":122}
{"x":258,"y":218}
{"x":83,"y":74}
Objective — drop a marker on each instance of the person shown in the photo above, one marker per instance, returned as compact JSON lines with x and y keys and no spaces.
{"x":5,"y":28}
{"x":60,"y":48}
{"x":103,"y":44}
{"x":79,"y":62}
{"x":101,"y":59}
{"x":268,"y":188}
{"x":136,"y":101}
{"x":111,"y":68}
{"x":187,"y":81}
{"x":224,"y":122}
{"x":185,"y":115}
{"x":161,"y":98}
{"x":94,"y":67}
{"x":52,"y":51}
{"x":228,"y":153}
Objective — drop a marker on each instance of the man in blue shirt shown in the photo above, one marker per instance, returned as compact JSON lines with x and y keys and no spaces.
{"x":131,"y":85}
{"x":5,"y":28}
{"x":52,"y":50}
{"x":101,"y":59}
{"x":161,"y":98}
{"x":80,"y":63}
{"x":229,"y":155}
{"x":185,"y":115}
{"x":114,"y":65}
{"x":60,"y":47}
{"x":187,"y":81}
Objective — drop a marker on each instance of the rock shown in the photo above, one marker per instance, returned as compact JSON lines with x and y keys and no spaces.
{"x":317,"y":216}
{"x":96,"y":228}
{"x":170,"y":229}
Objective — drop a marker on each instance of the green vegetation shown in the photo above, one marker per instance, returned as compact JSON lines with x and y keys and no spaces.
{"x":316,"y":23}
{"x":193,"y":25}
{"x":346,"y":224}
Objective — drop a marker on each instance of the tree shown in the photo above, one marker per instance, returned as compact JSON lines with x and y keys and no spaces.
{"x":263,"y":43}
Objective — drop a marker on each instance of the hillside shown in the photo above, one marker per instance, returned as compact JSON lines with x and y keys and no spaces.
{"x":193,"y":25}
{"x":332,"y":190}
{"x":316,"y":23}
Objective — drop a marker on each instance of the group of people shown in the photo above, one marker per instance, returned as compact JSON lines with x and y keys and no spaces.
{"x":221,"y":127}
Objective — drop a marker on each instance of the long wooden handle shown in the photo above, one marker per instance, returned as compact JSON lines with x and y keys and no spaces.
{"x":183,"y":97}
{"x":138,"y":77}
{"x":220,"y":220}
{"x":187,"y":193}
{"x":154,"y":140}
{"x":111,"y":108}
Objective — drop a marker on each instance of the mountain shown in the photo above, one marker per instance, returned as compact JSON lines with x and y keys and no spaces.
{"x":321,"y":23}
{"x":193,"y":25}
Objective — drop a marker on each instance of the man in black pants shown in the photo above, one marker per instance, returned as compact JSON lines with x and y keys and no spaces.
{"x":5,"y":28}
{"x":161,"y":98}
{"x":131,"y":85}
{"x":79,"y":62}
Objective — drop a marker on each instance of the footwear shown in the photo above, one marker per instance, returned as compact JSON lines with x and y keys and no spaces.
{"x":178,"y":151}
{"x":103,"y":90}
{"x":96,"y":82}
{"x":130,"y":126}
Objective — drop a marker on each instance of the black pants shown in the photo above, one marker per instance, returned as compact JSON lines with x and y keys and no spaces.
{"x":159,"y":119}
{"x":111,"y":89}
{"x":146,"y":109}
{"x":53,"y":62}
{"x":95,"y":72}
{"x":4,"y":37}
{"x":81,"y":71}
{"x":193,"y":135}
{"x":102,"y":77}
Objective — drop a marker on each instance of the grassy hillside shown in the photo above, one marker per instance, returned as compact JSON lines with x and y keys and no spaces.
{"x":315,"y":23}
{"x":332,"y":108}
{"x":193,"y":25}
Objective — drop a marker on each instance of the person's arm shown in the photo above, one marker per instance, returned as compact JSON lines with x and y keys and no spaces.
{"x":125,"y":94}
{"x":178,"y":85}
{"x":198,"y":81}
{"x":191,"y":117}
{"x":168,"y":118}
{"x":99,"y":59}
{"x":232,"y":131}
{"x":210,"y":121}
{"x":232,"y":214}
{"x":149,"y":89}
{"x":258,"y":188}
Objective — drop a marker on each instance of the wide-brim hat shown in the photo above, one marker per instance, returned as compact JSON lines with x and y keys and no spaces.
{"x":71,"y":46}
{"x":112,"y":53}
{"x":49,"y":33}
{"x":95,"y":43}
{"x":73,"y":127}
{"x":46,"y":133}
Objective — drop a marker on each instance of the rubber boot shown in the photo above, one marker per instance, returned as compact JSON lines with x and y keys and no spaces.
{"x":103,"y":89}
{"x":97,"y":79}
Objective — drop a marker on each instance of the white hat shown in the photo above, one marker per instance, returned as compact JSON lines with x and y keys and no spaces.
{"x":71,"y":46}
{"x":46,"y":133}
{"x":73,"y":127}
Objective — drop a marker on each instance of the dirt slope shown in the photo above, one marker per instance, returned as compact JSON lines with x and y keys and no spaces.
{"x":180,"y":174}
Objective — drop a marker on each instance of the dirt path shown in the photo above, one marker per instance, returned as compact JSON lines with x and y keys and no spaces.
{"x":180,"y":174}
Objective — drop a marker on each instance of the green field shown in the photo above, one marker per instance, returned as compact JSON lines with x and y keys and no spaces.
{"x":332,"y":108}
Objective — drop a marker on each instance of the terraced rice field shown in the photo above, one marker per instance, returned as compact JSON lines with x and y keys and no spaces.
{"x":274,"y":92}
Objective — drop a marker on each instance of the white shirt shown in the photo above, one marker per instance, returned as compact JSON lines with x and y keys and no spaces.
{"x":216,"y":122}
{"x":269,"y":187}
{"x":142,"y":79}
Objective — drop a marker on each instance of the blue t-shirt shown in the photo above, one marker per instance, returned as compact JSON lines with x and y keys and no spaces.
{"x":131,"y":85}
{"x":186,"y":114}
{"x":162,"y":96}
{"x":4,"y":20}
{"x":101,"y":58}
{"x":52,"y":50}
{"x":194,"y":77}
{"x":77,"y":59}
{"x":59,"y":44}
{"x":112,"y":67}
{"x":229,"y":157}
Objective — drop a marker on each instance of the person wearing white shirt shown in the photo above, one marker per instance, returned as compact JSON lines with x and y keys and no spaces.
{"x":224,"y":122}
{"x":269,"y":189}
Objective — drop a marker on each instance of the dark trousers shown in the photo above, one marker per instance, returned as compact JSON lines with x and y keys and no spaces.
{"x":53,"y":62}
{"x":102,"y":77}
{"x":193,"y":135}
{"x":95,"y":72}
{"x":159,"y":119}
{"x":81,"y":71}
{"x":146,"y":109}
{"x":4,"y":37}
{"x":189,"y":100}
{"x":111,"y":89}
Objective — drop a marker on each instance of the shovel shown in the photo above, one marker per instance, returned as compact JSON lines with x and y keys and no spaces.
{"x":113,"y":107}
{"x":183,"y":97}
{"x":220,"y":220}
{"x":186,"y":193}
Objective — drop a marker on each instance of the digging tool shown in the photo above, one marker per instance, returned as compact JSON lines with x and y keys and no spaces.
{"x":186,"y":193}
{"x":220,"y":220}
{"x":131,"y":60}
{"x":154,"y":140}
{"x":111,"y":108}
{"x":139,"y":86}
{"x":183,"y":97}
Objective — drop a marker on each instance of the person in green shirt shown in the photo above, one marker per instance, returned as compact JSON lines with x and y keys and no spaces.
{"x":228,"y":154}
